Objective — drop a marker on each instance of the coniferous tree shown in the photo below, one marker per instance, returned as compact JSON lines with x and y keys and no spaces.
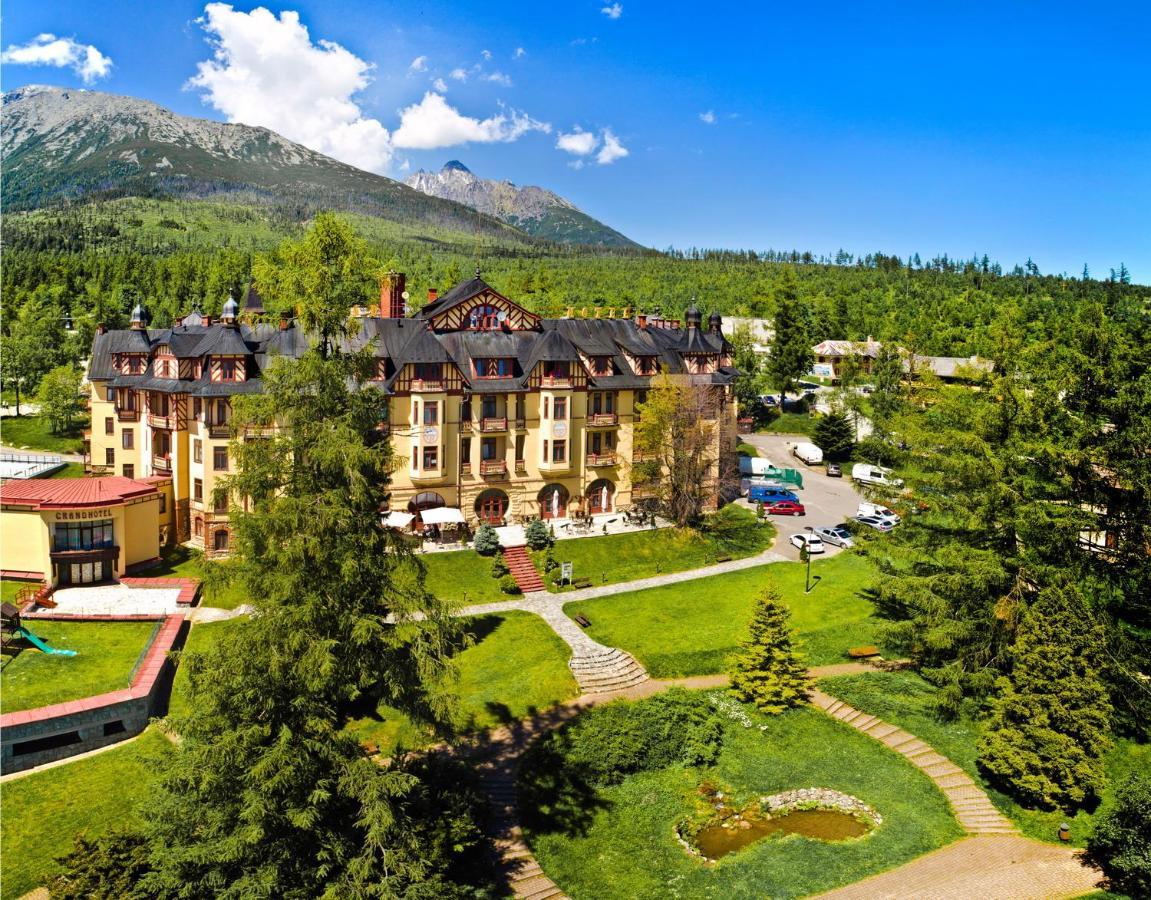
{"x":769,"y":669}
{"x":1049,"y":725}
{"x":791,"y":356}
{"x":1120,"y":843}
{"x":835,"y":436}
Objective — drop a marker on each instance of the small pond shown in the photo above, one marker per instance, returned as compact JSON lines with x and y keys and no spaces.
{"x":715,"y":841}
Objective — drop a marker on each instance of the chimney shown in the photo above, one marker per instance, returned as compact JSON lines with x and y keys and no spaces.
{"x":432,"y":294}
{"x":392,"y":295}
{"x":641,"y":320}
{"x":285,"y":322}
{"x":101,"y":328}
{"x":207,"y":320}
{"x":715,"y":323}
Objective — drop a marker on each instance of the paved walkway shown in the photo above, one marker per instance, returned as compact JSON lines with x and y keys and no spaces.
{"x":980,"y":868}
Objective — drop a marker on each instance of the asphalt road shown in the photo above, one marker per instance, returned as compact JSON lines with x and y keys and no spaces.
{"x":828,"y":501}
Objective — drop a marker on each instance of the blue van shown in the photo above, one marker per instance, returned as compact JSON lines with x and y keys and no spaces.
{"x":770,"y":493}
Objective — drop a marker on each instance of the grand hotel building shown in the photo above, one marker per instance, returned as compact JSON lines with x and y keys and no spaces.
{"x":491,"y":408}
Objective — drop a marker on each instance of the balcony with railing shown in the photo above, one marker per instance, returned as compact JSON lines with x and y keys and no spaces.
{"x":220,"y":430}
{"x":128,"y":415}
{"x":428,"y":385}
{"x":162,"y":422}
{"x":604,"y":458}
{"x":643,"y":456}
{"x":161,"y":465}
{"x":521,"y":423}
{"x":521,"y":466}
{"x":465,"y":425}
{"x":602,"y":419}
{"x":466,"y":468}
{"x":493,"y":468}
{"x":494,"y":423}
{"x":260,"y":431}
{"x":556,"y":381}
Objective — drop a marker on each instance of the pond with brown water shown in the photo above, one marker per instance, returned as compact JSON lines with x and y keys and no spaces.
{"x":716,"y":841}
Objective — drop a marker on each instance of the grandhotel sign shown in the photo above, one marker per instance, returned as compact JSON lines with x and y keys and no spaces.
{"x":73,"y":514}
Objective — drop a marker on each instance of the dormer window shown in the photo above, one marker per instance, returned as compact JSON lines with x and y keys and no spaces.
{"x":601,"y":365}
{"x":557,"y":369}
{"x":484,"y":318}
{"x":646,"y":365}
{"x":228,"y":370}
{"x":495,"y":367}
{"x":134,"y":364}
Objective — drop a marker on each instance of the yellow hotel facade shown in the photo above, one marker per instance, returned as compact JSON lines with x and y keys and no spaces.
{"x":491,"y":408}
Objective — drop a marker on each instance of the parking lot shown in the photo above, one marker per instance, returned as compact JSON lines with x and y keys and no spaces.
{"x":828,"y":501}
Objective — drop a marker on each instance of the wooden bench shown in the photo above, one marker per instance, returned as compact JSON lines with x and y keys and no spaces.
{"x":583,"y":621}
{"x":724,"y":558}
{"x":581,"y":583}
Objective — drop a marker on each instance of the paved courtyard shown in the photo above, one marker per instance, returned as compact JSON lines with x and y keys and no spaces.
{"x":115,"y":600}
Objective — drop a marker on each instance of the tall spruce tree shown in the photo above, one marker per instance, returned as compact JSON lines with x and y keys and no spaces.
{"x":268,"y":794}
{"x":1049,"y":725}
{"x":835,"y":436}
{"x":791,"y":356}
{"x":769,"y":670}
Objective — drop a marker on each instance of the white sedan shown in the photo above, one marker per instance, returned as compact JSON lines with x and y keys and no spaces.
{"x":813,"y":543}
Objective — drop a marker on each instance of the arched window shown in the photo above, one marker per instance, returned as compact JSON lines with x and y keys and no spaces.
{"x":199,"y":527}
{"x":220,"y":539}
{"x":420,"y":502}
{"x":484,"y":318}
{"x":600,"y":496}
{"x":553,"y":500}
{"x":492,"y":506}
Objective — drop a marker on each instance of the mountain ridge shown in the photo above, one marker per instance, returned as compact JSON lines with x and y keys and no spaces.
{"x":61,"y":144}
{"x":532,"y":209}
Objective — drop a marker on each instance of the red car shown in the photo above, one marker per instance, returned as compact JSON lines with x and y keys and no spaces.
{"x":784,"y":508}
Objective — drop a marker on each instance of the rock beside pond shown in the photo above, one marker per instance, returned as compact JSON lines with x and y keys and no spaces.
{"x":818,"y":798}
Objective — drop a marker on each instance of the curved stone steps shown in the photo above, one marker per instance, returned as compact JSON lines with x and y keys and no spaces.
{"x":607,"y":670}
{"x":972,"y":807}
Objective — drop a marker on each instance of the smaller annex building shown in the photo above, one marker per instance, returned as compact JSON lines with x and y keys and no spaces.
{"x":81,"y":530}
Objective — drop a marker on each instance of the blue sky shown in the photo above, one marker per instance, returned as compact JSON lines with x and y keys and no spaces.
{"x":1015,"y":128}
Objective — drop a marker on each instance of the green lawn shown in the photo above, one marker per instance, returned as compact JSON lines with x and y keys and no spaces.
{"x":201,"y":638}
{"x":746,"y":450}
{"x":791,"y":423}
{"x":905,"y":699}
{"x":105,"y":654}
{"x":217,"y":589}
{"x":33,"y":433}
{"x":610,"y":559}
{"x":517,"y":665}
{"x":624,"y":846}
{"x":43,"y":811}
{"x":9,"y":589}
{"x":692,"y":627}
{"x":69,"y":470}
{"x":461,"y":575}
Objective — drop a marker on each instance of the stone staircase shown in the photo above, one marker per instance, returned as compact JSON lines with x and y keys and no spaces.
{"x":523,"y":569}
{"x":606,"y":669}
{"x":973,"y":809}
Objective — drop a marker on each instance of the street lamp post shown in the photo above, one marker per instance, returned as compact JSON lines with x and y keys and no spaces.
{"x":807,"y":553}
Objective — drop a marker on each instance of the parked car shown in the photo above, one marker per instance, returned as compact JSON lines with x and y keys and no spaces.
{"x":837,"y":536}
{"x":811,"y":541}
{"x":769,"y":400}
{"x":784,"y":508}
{"x":807,"y":452}
{"x":770,"y":493}
{"x":875,"y":522}
{"x":834,"y":470}
{"x":880,"y":512}
{"x":865,"y":473}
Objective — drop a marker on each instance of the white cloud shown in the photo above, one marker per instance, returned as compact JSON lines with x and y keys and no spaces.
{"x":440,"y":85}
{"x":708,"y":118}
{"x":405,"y":166}
{"x":520,"y":53}
{"x":458,"y":75}
{"x":577,"y":142}
{"x":486,"y":54}
{"x":611,"y":150}
{"x":419,"y":64}
{"x":614,"y":11}
{"x":499,"y":78}
{"x":266,"y":71}
{"x":63,"y":52}
{"x":432,"y":123}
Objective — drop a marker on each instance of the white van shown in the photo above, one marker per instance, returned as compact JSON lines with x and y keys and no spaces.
{"x":865,"y":473}
{"x":808,"y":452}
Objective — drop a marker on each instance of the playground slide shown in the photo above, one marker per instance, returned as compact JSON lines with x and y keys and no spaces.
{"x":36,"y":642}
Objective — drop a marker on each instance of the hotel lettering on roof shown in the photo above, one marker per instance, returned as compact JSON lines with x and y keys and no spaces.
{"x":490,"y":408}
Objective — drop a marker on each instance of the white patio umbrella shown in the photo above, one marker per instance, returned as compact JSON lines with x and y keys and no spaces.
{"x":603,"y":499}
{"x":555,"y":503}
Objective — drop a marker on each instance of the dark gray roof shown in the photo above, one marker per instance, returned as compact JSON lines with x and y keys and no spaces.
{"x":460,"y":293}
{"x":223,"y":341}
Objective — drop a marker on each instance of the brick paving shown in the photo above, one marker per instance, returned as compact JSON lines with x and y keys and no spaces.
{"x":980,"y":868}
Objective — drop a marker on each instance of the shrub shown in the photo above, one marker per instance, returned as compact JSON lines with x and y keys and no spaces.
{"x":550,"y":562}
{"x":608,"y":743}
{"x":1121,"y":842}
{"x":486,"y":540}
{"x":537,"y":535}
{"x":499,"y":566}
{"x":1048,"y":728}
{"x":509,"y":585}
{"x":769,"y":671}
{"x":735,"y":530}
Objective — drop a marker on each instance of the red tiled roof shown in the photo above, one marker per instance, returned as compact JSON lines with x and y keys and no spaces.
{"x":71,"y":493}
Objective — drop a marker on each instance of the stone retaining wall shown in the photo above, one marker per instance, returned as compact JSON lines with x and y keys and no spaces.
{"x":33,"y":737}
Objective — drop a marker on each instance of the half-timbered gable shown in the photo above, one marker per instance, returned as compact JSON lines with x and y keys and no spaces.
{"x":477,"y":306}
